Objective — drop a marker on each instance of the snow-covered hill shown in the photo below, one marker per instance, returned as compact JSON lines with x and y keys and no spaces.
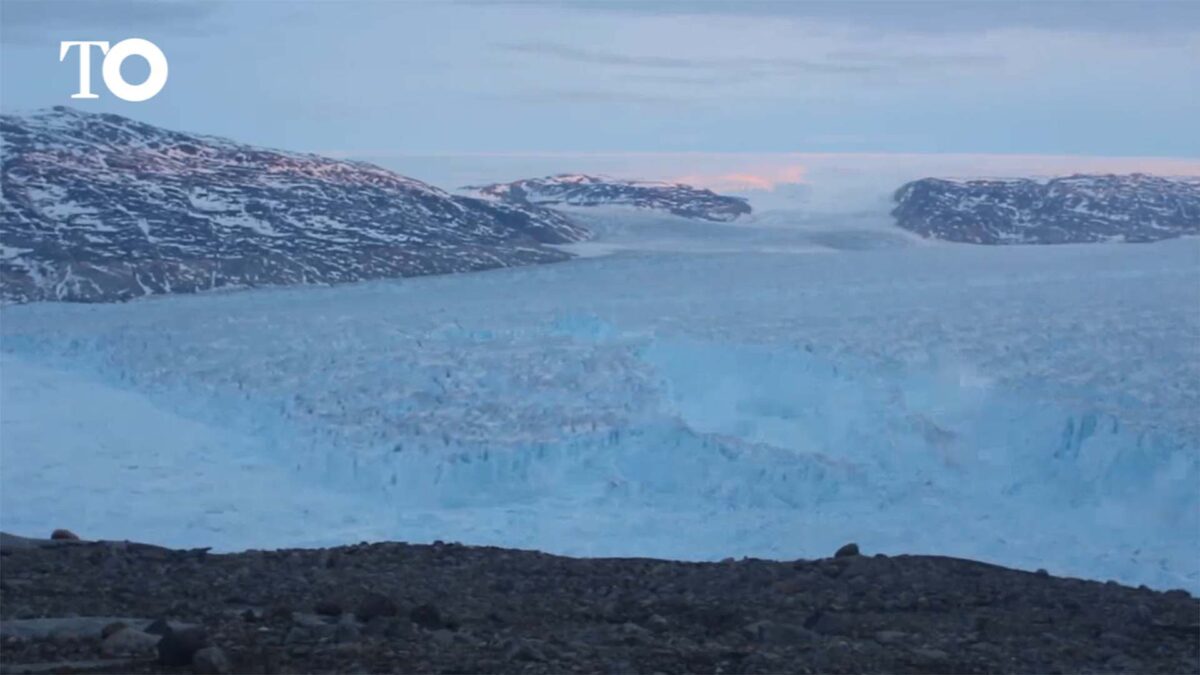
{"x":100,"y":207}
{"x":1073,"y":209}
{"x":582,"y":190}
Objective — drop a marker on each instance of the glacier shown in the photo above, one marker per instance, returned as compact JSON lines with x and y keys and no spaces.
{"x":768,"y":391}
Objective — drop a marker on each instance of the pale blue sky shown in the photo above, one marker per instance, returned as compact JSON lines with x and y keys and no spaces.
{"x":387,"y":79}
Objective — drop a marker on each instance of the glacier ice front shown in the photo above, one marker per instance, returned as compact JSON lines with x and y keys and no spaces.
{"x":697,"y":407}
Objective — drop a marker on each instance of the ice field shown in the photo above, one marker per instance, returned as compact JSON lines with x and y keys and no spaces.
{"x":771,"y":392}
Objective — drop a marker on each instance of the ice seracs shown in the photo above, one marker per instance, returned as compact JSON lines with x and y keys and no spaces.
{"x":580,"y":190}
{"x":1032,"y":406}
{"x":98,"y":207}
{"x":1073,"y":209}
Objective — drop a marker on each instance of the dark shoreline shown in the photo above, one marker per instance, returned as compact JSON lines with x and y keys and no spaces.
{"x":448,"y":608}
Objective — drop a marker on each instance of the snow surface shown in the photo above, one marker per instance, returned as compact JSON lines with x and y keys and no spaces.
{"x":1031,"y":406}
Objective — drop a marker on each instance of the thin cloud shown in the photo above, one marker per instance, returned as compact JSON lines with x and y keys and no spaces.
{"x":697,"y":79}
{"x":603,"y":58}
{"x":931,"y":16}
{"x":28,"y":21}
{"x":588,"y":96}
{"x":919,"y":60}
{"x":577,"y":55}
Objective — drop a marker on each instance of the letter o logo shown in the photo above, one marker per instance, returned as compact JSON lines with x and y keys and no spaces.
{"x":135,"y":47}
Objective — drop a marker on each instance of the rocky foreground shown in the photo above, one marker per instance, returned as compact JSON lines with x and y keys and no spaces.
{"x":73,"y":606}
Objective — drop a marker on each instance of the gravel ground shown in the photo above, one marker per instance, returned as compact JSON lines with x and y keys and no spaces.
{"x":447,"y":608}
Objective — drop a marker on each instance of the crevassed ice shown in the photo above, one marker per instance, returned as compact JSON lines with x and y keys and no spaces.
{"x":1031,"y":407}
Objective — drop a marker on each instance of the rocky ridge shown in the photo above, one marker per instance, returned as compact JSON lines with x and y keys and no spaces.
{"x":71,"y":606}
{"x":579,"y":190}
{"x":97,"y":207}
{"x":1072,"y":209}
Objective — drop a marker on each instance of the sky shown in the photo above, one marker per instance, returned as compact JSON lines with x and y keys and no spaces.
{"x":424,"y":84}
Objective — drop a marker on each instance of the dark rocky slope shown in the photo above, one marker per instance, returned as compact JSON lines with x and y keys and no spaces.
{"x":1074,"y":209}
{"x":100,"y":208}
{"x":590,"y":191}
{"x":454,"y":609}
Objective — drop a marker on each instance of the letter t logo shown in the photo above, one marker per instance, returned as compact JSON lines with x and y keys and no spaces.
{"x":85,"y":64}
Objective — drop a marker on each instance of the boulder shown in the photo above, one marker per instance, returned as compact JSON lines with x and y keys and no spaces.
{"x":427,"y":616}
{"x":376,"y":604}
{"x":210,"y":661}
{"x":129,"y":642}
{"x":847,"y":551}
{"x":178,"y":646}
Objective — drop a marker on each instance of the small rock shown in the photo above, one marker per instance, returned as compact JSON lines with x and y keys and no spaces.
{"x":61,"y":534}
{"x":397,"y":630}
{"x":1115,"y":639}
{"x":378,"y":627}
{"x":128,"y":642}
{"x":426,"y":616}
{"x":719,"y":618}
{"x":522,"y":650}
{"x":178,"y":646}
{"x":112,"y":628}
{"x":631,"y":628}
{"x":297,"y":635}
{"x":1143,"y":613}
{"x":328,"y":608}
{"x":1124,"y":663}
{"x":890,"y":637}
{"x":777,"y":634}
{"x":930,"y":655}
{"x":833,"y":569}
{"x":162,"y":626}
{"x":859,"y":567}
{"x":828,"y":623}
{"x":789,"y":586}
{"x":847,"y":551}
{"x":308,"y":620}
{"x":442,"y":637}
{"x":657,"y":624}
{"x":376,"y":604}
{"x":210,"y":661}
{"x":346,"y":632}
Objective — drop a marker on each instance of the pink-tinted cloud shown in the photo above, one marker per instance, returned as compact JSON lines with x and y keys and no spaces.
{"x":761,"y":178}
{"x":746,"y":172}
